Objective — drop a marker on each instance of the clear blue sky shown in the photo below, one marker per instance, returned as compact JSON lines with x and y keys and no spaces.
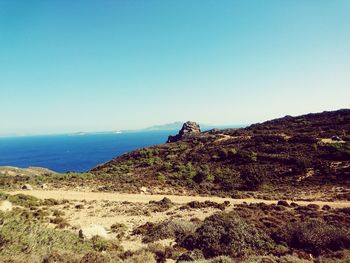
{"x":85,"y":65}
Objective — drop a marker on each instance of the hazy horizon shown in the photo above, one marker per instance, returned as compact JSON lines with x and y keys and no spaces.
{"x":70,"y":66}
{"x":146,"y":129}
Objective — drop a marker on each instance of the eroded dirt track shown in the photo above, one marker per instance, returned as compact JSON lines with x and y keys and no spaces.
{"x":145,"y":198}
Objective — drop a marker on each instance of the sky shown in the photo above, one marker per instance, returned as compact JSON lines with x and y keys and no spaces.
{"x":69,"y":66}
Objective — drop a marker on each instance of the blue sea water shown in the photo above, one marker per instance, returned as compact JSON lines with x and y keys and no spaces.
{"x":62,"y":153}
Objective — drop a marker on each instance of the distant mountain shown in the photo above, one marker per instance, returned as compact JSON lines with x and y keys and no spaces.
{"x":164,"y":127}
{"x":177,"y":125}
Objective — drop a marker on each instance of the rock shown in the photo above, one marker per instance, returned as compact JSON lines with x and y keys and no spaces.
{"x":283,"y":203}
{"x":292,"y":204}
{"x":27,"y":187}
{"x":102,"y":188}
{"x":11,"y":173}
{"x":143,"y":190}
{"x":188,"y":129}
{"x":44,"y":187}
{"x":91,"y":231}
{"x":336,"y":138}
{"x":5,"y":206}
{"x":326,"y":208}
{"x":313,"y":206}
{"x":213,"y":131}
{"x":162,"y":205}
{"x":193,"y":255}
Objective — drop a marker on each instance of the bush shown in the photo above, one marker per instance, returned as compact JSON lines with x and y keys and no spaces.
{"x":100,"y":244}
{"x":247,"y":156}
{"x":223,"y":154}
{"x":345,"y":210}
{"x":227,"y":234}
{"x":59,"y":221}
{"x":119,"y":229}
{"x":167,"y":229}
{"x":22,"y":199}
{"x":92,"y":257}
{"x":203,"y":174}
{"x":253,"y":177}
{"x":141,"y":256}
{"x":339,"y":151}
{"x":283,"y":203}
{"x":302,"y":163}
{"x":161,"y":205}
{"x":228,"y":179}
{"x":302,"y":138}
{"x":314,"y":236}
{"x":19,"y":235}
{"x":58,"y":213}
{"x":205,"y":204}
{"x":271,"y":139}
{"x":161,"y":177}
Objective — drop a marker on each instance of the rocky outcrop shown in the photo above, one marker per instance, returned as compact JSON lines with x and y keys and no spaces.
{"x":188,"y":129}
{"x":91,"y":231}
{"x":5,"y":206}
{"x":27,"y":187}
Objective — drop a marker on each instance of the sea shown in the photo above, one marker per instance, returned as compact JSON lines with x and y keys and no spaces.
{"x":74,"y":152}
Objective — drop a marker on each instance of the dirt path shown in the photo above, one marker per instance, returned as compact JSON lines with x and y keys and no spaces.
{"x":106,"y":209}
{"x":145,"y":198}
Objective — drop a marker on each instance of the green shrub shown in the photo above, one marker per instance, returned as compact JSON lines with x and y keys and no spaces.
{"x":145,"y":153}
{"x":302,"y":138}
{"x":171,"y":157}
{"x":161,"y":177}
{"x":69,"y":175}
{"x":314,"y":236}
{"x":228,"y":179}
{"x":185,"y":172}
{"x":228,"y":234}
{"x":58,"y":213}
{"x":223,"y":154}
{"x":340,"y":151}
{"x":20,"y":235}
{"x":122,"y":168}
{"x":302,"y":163}
{"x":151,"y":161}
{"x":22,"y":199}
{"x":175,"y":228}
{"x":91,"y":257}
{"x":232,"y":153}
{"x":205,"y":204}
{"x":161,"y":205}
{"x":59,"y":221}
{"x":246,"y":156}
{"x":141,"y":256}
{"x":203,"y":174}
{"x":253,"y":177}
{"x":119,"y":229}
{"x":100,"y":244}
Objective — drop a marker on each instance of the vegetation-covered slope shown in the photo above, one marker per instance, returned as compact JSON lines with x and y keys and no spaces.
{"x":308,"y":150}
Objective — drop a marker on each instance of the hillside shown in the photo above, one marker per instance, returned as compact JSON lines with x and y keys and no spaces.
{"x":306,"y":151}
{"x":286,"y":184}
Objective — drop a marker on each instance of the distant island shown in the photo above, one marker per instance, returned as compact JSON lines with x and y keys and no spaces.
{"x":178,"y":124}
{"x":172,"y":126}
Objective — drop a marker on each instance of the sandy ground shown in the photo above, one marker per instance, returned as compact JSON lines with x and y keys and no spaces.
{"x":145,"y":198}
{"x":31,"y":171}
{"x":134,"y":210}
